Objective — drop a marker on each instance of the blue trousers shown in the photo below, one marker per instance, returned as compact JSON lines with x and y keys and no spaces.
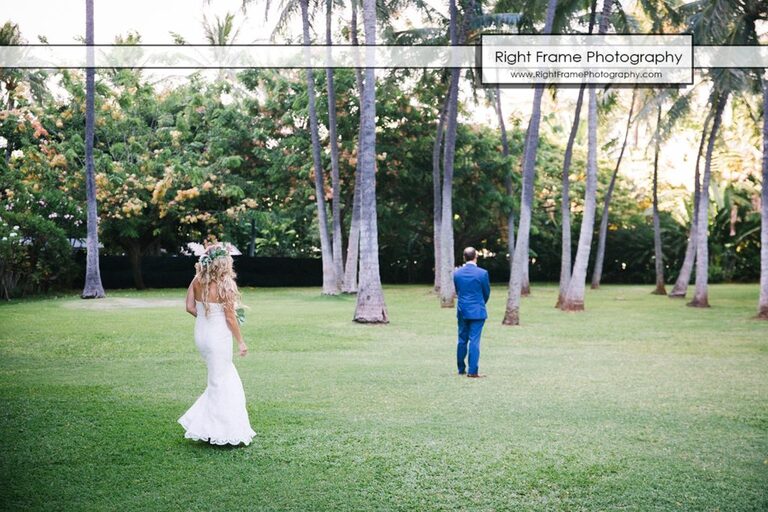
{"x":469,"y":334}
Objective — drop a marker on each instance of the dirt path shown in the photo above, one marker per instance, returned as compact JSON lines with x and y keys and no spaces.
{"x":123,"y":302}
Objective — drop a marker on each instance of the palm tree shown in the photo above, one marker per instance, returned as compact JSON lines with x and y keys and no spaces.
{"x":508,"y":177}
{"x":519,"y":259}
{"x":684,"y":277}
{"x":731,"y":23}
{"x":330,"y":283}
{"x":93,"y":287}
{"x":447,"y":257}
{"x":701,"y":295}
{"x":659,"y":12}
{"x":658,"y":255}
{"x":597,"y":271}
{"x":10,"y":35}
{"x":525,"y":288}
{"x":437,"y":193}
{"x":565,"y":204}
{"x":565,"y":200}
{"x":473,"y":21}
{"x":349,"y":283}
{"x":219,"y":33}
{"x":762,"y":310}
{"x":563,"y":17}
{"x":331,"y":251}
{"x":445,"y":138}
{"x":574,"y":295}
{"x":338,"y":261}
{"x":370,"y":306}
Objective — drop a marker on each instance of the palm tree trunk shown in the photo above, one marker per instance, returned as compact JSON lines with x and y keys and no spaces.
{"x":93,"y":287}
{"x":701,"y":295}
{"x":684,"y":277}
{"x":330,"y":284}
{"x":525,"y":289}
{"x":349,"y":284}
{"x":447,"y":257}
{"x":657,"y":252}
{"x":508,"y":177}
{"x":9,"y":106}
{"x":565,"y":204}
{"x":520,"y":258}
{"x":338,"y":257}
{"x":762,"y":311}
{"x":370,"y":306}
{"x":574,"y":296}
{"x":597,"y":272}
{"x":565,"y":201}
{"x":353,"y":242}
{"x":437,"y":197}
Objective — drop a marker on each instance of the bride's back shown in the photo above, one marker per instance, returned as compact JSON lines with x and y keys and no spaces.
{"x":214,"y":281}
{"x":213,"y":292}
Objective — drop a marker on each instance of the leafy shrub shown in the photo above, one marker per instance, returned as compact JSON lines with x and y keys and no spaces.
{"x":35,"y":255}
{"x":717,"y":274}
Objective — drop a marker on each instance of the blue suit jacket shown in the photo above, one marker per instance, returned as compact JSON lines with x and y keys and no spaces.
{"x":474,"y":288}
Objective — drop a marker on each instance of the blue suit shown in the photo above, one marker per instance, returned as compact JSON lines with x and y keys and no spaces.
{"x":473,"y":288}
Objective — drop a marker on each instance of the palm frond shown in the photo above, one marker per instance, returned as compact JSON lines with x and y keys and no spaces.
{"x":664,"y":15}
{"x":426,"y":35}
{"x":221,"y":31}
{"x":571,"y":16}
{"x":10,"y":34}
{"x":623,"y":22}
{"x":680,"y":108}
{"x":495,"y":20}
{"x":288,"y":10}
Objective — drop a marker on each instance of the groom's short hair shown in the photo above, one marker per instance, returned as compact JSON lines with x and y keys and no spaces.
{"x":470,"y":254}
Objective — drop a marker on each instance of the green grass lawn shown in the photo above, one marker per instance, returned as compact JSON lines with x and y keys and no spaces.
{"x":639,"y":403}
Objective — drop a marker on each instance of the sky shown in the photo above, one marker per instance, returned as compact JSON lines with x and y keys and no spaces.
{"x":64,"y":20}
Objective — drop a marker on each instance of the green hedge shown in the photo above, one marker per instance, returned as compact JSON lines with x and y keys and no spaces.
{"x":35,"y":255}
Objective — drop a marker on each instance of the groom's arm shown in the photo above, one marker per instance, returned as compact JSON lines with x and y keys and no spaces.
{"x":486,"y":287}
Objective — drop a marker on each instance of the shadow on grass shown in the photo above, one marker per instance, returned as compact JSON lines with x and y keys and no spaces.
{"x":203,"y":446}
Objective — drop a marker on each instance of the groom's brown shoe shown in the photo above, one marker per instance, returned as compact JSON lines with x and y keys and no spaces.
{"x":475,"y":375}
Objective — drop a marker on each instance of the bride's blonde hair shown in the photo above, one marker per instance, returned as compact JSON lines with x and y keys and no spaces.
{"x":216,"y":266}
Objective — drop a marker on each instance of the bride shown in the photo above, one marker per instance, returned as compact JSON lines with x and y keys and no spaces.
{"x":219,"y":415}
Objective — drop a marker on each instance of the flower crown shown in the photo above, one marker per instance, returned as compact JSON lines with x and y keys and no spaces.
{"x":212,"y":254}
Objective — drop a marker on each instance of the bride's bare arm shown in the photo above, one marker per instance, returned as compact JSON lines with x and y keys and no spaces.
{"x":191,"y":308}
{"x":229,"y":313}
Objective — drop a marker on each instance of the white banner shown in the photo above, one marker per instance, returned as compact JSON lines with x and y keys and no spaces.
{"x":576,"y":59}
{"x":292,"y":56}
{"x":236,"y":56}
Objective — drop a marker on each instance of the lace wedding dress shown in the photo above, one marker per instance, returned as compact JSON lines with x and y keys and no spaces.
{"x":219,"y":415}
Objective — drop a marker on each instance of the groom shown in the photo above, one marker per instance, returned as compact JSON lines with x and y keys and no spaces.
{"x":473,"y":288}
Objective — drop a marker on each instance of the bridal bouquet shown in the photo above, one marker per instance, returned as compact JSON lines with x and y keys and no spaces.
{"x":240,"y":315}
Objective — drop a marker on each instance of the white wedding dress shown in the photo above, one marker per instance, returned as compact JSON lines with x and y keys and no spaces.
{"x":219,"y":415}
